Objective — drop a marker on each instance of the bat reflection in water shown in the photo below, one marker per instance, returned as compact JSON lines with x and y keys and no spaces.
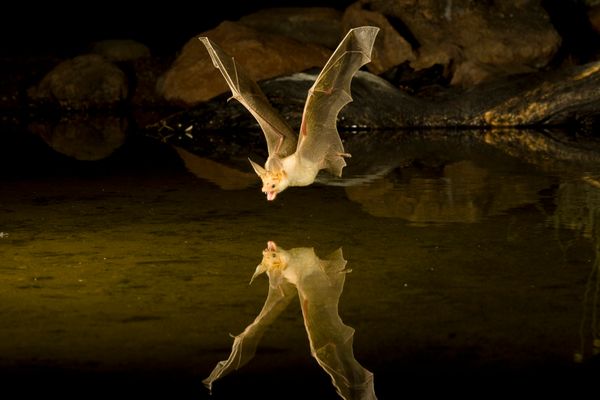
{"x":319,"y":283}
{"x":297,"y":161}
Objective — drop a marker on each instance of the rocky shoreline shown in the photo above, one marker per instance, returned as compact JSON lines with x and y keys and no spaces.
{"x":436,"y":64}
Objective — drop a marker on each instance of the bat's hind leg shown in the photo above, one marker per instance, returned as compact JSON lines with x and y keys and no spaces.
{"x":334,"y":162}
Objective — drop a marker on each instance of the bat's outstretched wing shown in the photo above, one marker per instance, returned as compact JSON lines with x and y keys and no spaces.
{"x":330,"y":339}
{"x":244,"y":344}
{"x":319,"y":140}
{"x":281,"y":140}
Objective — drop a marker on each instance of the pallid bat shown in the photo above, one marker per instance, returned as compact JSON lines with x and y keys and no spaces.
{"x":297,"y":161}
{"x":319,"y":283}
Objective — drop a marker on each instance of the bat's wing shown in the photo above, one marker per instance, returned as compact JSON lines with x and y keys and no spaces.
{"x":334,"y":265}
{"x":281,"y":140}
{"x":319,"y":141}
{"x":244,"y":344}
{"x":330,"y":339}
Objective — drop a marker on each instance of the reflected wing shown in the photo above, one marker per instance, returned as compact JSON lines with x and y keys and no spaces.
{"x":319,"y":140}
{"x":281,"y":140}
{"x":244,"y":344}
{"x":351,"y":380}
{"x":330,"y":339}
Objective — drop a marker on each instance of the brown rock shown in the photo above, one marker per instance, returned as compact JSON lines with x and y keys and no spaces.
{"x":86,"y":81}
{"x":390,"y":49}
{"x":316,"y":25}
{"x":594,"y":16}
{"x":192,"y":78}
{"x":121,"y":50}
{"x":505,"y":37}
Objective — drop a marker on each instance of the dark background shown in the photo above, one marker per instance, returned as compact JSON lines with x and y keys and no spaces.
{"x":164,"y":26}
{"x":66,"y":28}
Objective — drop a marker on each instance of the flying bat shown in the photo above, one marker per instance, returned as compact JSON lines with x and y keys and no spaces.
{"x":296,"y":160}
{"x":319,"y":283}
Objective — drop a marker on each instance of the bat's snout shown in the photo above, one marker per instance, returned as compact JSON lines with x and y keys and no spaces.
{"x":271,"y":195}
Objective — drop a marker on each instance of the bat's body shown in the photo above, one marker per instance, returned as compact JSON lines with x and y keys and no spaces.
{"x":300,"y":172}
{"x":296,"y":161}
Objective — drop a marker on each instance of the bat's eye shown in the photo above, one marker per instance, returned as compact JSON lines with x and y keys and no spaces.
{"x":273,"y":255}
{"x":273,"y":186}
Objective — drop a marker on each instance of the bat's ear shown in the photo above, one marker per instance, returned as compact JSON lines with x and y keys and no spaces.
{"x":260,"y":171}
{"x":259,"y":270}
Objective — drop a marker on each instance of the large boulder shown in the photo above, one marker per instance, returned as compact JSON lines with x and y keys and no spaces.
{"x":474,"y":41}
{"x":141,"y":68}
{"x":86,"y":81}
{"x":555,"y":97}
{"x":316,"y":25}
{"x":193,"y":79}
{"x":390,"y":49}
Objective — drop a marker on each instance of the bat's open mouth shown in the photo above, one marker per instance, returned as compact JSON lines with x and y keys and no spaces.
{"x":271,"y":195}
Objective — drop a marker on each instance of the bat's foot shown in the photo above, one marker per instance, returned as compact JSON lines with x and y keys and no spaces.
{"x":346,"y":155}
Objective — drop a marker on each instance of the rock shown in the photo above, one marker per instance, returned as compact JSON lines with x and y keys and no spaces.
{"x":474,"y":41}
{"x":561,"y":96}
{"x":594,"y":17}
{"x":143,"y":71}
{"x":376,"y":104}
{"x":390,"y":49}
{"x":375,"y":101}
{"x":121,"y":50}
{"x":315,"y":25}
{"x":86,"y":81}
{"x":542,"y":99}
{"x":192,"y":78}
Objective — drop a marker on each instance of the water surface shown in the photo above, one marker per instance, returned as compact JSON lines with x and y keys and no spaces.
{"x":473,"y":257}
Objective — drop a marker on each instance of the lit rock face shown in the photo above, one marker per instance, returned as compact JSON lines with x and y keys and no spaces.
{"x":193,"y":79}
{"x":473,"y":41}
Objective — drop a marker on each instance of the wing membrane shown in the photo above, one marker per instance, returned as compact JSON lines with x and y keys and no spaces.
{"x":319,"y":140}
{"x":281,"y":140}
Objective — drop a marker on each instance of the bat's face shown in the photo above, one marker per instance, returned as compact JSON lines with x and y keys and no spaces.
{"x":272,"y":258}
{"x":274,"y":261}
{"x":274,"y":178}
{"x":274,"y":183}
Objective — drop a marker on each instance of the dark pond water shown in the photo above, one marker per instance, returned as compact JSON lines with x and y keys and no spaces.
{"x":473,"y":258}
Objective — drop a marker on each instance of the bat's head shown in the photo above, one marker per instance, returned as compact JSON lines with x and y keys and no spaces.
{"x":274,"y":261}
{"x":274,"y":178}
